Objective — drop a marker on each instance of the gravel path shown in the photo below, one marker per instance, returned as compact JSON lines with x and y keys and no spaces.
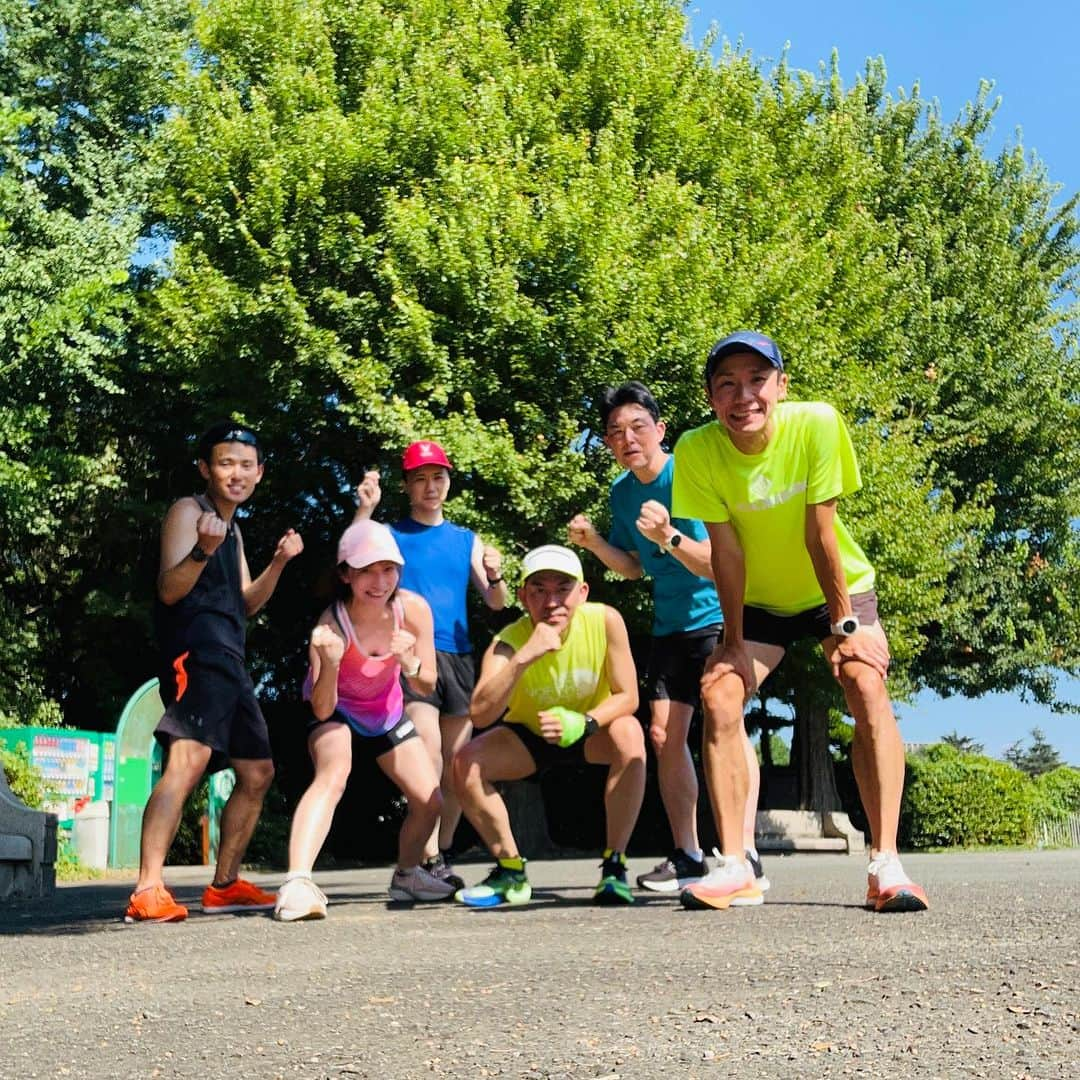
{"x":985,"y":984}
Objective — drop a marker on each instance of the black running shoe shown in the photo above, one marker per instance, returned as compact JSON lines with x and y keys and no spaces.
{"x":672,"y":875}
{"x":440,"y":868}
{"x":613,"y":888}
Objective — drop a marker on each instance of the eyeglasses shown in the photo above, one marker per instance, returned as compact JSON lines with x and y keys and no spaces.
{"x":620,"y":434}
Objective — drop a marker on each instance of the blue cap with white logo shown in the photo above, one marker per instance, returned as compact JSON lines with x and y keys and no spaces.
{"x":744,"y":341}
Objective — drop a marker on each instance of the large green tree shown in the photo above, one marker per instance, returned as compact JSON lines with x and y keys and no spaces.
{"x":387,"y":220}
{"x":81,"y":86}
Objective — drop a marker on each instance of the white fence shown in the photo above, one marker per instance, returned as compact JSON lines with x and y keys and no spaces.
{"x":1059,"y":833}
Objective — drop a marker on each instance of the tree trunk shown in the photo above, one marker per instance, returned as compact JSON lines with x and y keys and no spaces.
{"x":810,"y":755}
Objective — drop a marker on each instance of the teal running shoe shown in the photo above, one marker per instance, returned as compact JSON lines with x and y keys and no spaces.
{"x":501,"y":886}
{"x":613,"y":889}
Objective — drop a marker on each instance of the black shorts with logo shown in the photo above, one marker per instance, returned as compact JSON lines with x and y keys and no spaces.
{"x":768,"y":628}
{"x":676,"y":662}
{"x":456,"y":677}
{"x":209,"y":697}
{"x":367,"y":747}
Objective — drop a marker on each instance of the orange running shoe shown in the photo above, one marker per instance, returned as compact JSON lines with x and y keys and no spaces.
{"x":731,"y":884}
{"x":888,"y":888}
{"x":241,"y":895}
{"x":154,"y":904}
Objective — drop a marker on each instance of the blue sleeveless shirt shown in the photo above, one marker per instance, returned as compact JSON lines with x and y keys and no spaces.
{"x":437,"y":564}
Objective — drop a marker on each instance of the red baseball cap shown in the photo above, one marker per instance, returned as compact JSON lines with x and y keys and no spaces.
{"x":424,"y":452}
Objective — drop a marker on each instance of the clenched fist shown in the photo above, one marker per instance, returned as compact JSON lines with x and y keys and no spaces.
{"x":545,"y":638}
{"x":492,"y":563}
{"x":654,"y":522}
{"x":402,"y":644}
{"x":368,"y":491}
{"x":288,"y":547}
{"x":210,"y":531}
{"x":582,"y":532}
{"x":330,"y":646}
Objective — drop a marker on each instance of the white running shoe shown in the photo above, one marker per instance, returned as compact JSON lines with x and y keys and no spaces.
{"x":299,"y":898}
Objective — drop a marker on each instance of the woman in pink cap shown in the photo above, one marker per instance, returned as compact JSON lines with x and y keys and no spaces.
{"x":363,"y":646}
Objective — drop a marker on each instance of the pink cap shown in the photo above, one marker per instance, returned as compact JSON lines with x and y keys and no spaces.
{"x":367,"y":542}
{"x":424,"y":452}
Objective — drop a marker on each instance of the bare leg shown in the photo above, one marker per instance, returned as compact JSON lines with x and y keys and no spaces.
{"x":186,"y":762}
{"x":241,"y":814}
{"x":456,"y":731}
{"x":495,"y":755}
{"x":675,"y":770}
{"x":753,"y":791}
{"x":330,"y":746}
{"x":409,"y":766}
{"x":877,"y":750}
{"x":724,"y":747}
{"x":426,"y":719}
{"x":620,"y":745}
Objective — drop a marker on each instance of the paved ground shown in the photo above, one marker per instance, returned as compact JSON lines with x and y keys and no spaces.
{"x":987,"y":983}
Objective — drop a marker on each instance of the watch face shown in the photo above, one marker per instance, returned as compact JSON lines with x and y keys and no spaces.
{"x":676,"y":540}
{"x":849,"y":625}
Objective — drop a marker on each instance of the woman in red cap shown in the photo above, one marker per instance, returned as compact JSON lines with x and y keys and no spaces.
{"x":372,"y":639}
{"x":441,"y":560}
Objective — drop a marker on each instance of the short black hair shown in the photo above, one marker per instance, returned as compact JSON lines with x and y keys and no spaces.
{"x":228,"y":431}
{"x":628,"y":393}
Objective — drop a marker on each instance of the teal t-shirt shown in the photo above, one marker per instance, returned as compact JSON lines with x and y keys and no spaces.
{"x":681,"y":600}
{"x":809,"y":460}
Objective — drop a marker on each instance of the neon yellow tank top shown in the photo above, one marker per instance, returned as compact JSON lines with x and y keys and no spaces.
{"x":574,"y":676}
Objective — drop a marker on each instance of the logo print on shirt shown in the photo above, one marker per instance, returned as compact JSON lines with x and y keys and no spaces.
{"x":770,"y":501}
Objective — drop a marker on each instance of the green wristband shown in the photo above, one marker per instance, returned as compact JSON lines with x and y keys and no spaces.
{"x":573,"y":725}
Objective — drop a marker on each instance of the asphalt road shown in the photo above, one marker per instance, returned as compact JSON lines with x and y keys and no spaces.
{"x":986,"y":983}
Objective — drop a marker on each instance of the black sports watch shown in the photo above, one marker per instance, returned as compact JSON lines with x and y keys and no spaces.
{"x":196,"y":554}
{"x":674,"y":542}
{"x":591,"y":725}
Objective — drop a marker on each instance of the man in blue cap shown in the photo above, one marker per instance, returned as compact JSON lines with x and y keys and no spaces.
{"x":765,"y":478}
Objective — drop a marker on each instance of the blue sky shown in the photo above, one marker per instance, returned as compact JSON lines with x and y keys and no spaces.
{"x":1028,"y":51}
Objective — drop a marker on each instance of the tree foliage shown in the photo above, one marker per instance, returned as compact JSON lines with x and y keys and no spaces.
{"x":1038,"y":758}
{"x":396,"y":219}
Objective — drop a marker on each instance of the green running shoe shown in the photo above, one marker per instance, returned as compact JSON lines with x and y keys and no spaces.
{"x":501,"y":886}
{"x":613,"y":889}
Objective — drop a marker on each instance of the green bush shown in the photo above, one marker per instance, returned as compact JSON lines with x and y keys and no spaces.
{"x":954,"y":799}
{"x":23,"y":777}
{"x":1058,"y":793}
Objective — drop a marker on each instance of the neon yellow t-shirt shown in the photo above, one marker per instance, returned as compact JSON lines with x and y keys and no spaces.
{"x":809,"y":460}
{"x":574,"y":676}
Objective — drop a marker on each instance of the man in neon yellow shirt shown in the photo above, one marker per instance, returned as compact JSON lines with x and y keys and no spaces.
{"x":765,"y":478}
{"x":563,"y":682}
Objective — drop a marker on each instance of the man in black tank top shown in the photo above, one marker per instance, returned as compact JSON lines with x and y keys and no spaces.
{"x":212,"y":720}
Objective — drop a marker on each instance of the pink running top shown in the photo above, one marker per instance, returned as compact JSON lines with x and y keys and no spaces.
{"x":369,"y":687}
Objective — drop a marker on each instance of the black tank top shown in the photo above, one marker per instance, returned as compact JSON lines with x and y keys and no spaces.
{"x":211,"y":617}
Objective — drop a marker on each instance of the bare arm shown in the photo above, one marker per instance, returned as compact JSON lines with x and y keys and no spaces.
{"x":325,"y":651}
{"x":257,"y":592}
{"x":620,"y":670}
{"x":582,"y":532}
{"x":368,"y":495}
{"x":501,"y":668}
{"x":186,"y":526}
{"x":485,"y":571}
{"x":654,"y":523}
{"x":416,"y":643}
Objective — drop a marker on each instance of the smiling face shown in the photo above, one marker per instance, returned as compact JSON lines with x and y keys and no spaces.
{"x":232,"y":473}
{"x":427,"y":487}
{"x":551,"y":597}
{"x":634,"y":437}
{"x":372,"y":584}
{"x":744,"y":391}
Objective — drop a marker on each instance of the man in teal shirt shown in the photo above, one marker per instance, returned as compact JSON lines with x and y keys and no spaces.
{"x":646,"y":541}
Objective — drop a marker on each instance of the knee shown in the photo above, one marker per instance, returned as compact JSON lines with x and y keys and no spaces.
{"x":722,"y":701}
{"x":256,"y":777}
{"x":334,"y":779}
{"x":863,"y":685}
{"x":629,"y":741}
{"x":466,"y":771}
{"x":658,"y":737}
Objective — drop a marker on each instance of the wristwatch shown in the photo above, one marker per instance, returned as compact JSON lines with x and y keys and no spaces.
{"x":674,"y":542}
{"x":414,"y":672}
{"x":845,"y":627}
{"x":196,"y":554}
